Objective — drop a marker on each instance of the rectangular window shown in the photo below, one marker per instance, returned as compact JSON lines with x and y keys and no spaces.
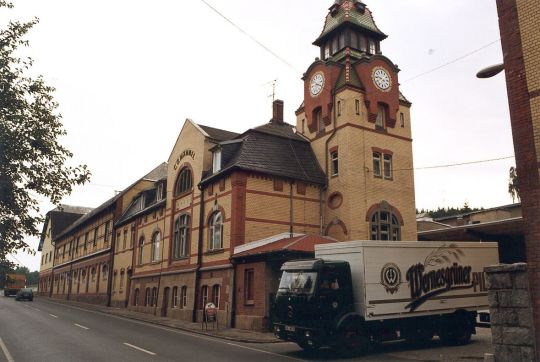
{"x":377,"y":164}
{"x":107,"y":231}
{"x":354,"y":40}
{"x":175,"y":297}
{"x":363,"y":44}
{"x":327,"y":51}
{"x":372,"y":49}
{"x":387,"y":166}
{"x":249,"y":280}
{"x":341,"y":40}
{"x":124,"y":241}
{"x":357,"y":106}
{"x":204,"y":296}
{"x":183,"y":297}
{"x":132,"y":237}
{"x":159,"y":192}
{"x":86,"y":240}
{"x":402,"y":120}
{"x":334,"y":157}
{"x":339,"y":108}
{"x":70,"y":245}
{"x":216,"y":291}
{"x":381,"y":117}
{"x":216,"y":161}
{"x":121,"y":280}
{"x":95,"y":236}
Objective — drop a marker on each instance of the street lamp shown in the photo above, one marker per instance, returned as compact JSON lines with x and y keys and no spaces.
{"x":490,"y":71}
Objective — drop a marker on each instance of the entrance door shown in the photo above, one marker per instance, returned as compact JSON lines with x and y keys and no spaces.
{"x":165,"y":303}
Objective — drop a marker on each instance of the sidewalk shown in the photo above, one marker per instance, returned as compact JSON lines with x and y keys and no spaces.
{"x":232,"y":334}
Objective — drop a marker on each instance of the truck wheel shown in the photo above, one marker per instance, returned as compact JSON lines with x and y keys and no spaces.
{"x":456,"y":330}
{"x":353,"y":340}
{"x":309,"y":348}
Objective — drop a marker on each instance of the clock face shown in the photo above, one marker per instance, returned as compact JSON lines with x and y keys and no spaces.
{"x":382,"y":79}
{"x":317,"y":84}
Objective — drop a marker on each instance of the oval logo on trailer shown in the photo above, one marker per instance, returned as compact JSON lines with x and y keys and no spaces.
{"x":391,"y":277}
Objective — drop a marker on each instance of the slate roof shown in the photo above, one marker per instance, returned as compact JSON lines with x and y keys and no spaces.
{"x":218,"y":134}
{"x":357,"y":15}
{"x":60,"y":218}
{"x":144,"y":202}
{"x":156,"y":174}
{"x":273,"y":149}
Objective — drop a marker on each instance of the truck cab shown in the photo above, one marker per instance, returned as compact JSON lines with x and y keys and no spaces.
{"x":312,"y":296}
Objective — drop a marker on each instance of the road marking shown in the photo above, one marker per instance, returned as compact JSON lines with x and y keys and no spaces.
{"x":83,"y":327}
{"x":140,"y":349}
{"x":39,"y":310}
{"x":52,"y":315}
{"x":263,"y":351}
{"x":186,"y":333}
{"x":6,"y":352}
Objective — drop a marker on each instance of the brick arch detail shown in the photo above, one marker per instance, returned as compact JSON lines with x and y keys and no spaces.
{"x":212,"y":212}
{"x":336,"y":222}
{"x":385,"y":206}
{"x":180,"y":169}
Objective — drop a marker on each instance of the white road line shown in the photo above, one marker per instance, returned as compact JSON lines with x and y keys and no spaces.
{"x":263,"y":351}
{"x":140,"y":349}
{"x":83,"y":327}
{"x":39,"y":310}
{"x":52,"y":315}
{"x":186,"y":333}
{"x":5,"y":350}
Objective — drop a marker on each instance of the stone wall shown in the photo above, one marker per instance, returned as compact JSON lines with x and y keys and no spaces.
{"x":511,"y":313}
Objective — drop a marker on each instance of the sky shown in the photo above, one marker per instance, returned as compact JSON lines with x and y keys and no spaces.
{"x":128,"y":73}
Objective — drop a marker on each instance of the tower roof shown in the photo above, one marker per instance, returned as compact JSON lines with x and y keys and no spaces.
{"x":353,"y":12}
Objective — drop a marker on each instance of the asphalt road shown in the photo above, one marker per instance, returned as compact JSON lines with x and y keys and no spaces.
{"x":45,"y":331}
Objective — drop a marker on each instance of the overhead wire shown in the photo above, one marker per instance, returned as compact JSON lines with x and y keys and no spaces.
{"x":274,"y":54}
{"x":452,"y":61}
{"x":454,"y":164}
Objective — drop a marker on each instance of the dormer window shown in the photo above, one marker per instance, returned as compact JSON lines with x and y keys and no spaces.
{"x":159,"y":192}
{"x":327,"y":51}
{"x":216,"y":164}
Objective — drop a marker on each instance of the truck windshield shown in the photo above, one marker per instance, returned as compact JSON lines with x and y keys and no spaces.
{"x":298,"y":282}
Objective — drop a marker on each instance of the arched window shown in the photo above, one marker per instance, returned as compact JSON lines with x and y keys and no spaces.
{"x":104,"y":270}
{"x":147,"y":297}
{"x":154,"y":297}
{"x":181,"y":237}
{"x":156,"y":242}
{"x":175,"y":297}
{"x":184,"y":183}
{"x":215,"y":227}
{"x":204,"y":296}
{"x":140,"y":251}
{"x":122,"y":273}
{"x":136,"y":297}
{"x":384,"y":225}
{"x":183,"y":297}
{"x":216,"y":290}
{"x":113,"y":280}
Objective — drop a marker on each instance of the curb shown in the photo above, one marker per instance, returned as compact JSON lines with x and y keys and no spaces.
{"x":108,"y":312}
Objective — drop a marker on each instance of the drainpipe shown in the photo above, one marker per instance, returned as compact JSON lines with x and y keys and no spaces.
{"x":162,"y":244}
{"x":199,"y":255}
{"x":111,"y":265}
{"x":291,"y":210}
{"x":326,"y":155}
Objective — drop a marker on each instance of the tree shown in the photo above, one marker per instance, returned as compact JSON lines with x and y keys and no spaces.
{"x":513,"y":184}
{"x":32,"y":161}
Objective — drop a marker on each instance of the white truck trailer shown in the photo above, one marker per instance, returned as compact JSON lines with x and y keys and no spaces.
{"x":355,"y":294}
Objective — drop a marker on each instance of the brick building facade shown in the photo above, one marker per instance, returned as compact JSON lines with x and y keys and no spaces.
{"x":520,"y":38}
{"x":231,"y":208}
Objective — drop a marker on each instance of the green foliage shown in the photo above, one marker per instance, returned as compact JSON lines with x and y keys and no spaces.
{"x":513,"y":184}
{"x":6,"y":267}
{"x":449,"y":211}
{"x":32,"y":161}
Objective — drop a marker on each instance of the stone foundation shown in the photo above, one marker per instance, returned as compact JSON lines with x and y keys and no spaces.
{"x":511,"y":313}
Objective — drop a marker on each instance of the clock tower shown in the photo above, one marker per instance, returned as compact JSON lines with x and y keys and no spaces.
{"x":359,"y":126}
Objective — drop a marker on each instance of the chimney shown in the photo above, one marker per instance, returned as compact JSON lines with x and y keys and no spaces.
{"x":277,"y":112}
